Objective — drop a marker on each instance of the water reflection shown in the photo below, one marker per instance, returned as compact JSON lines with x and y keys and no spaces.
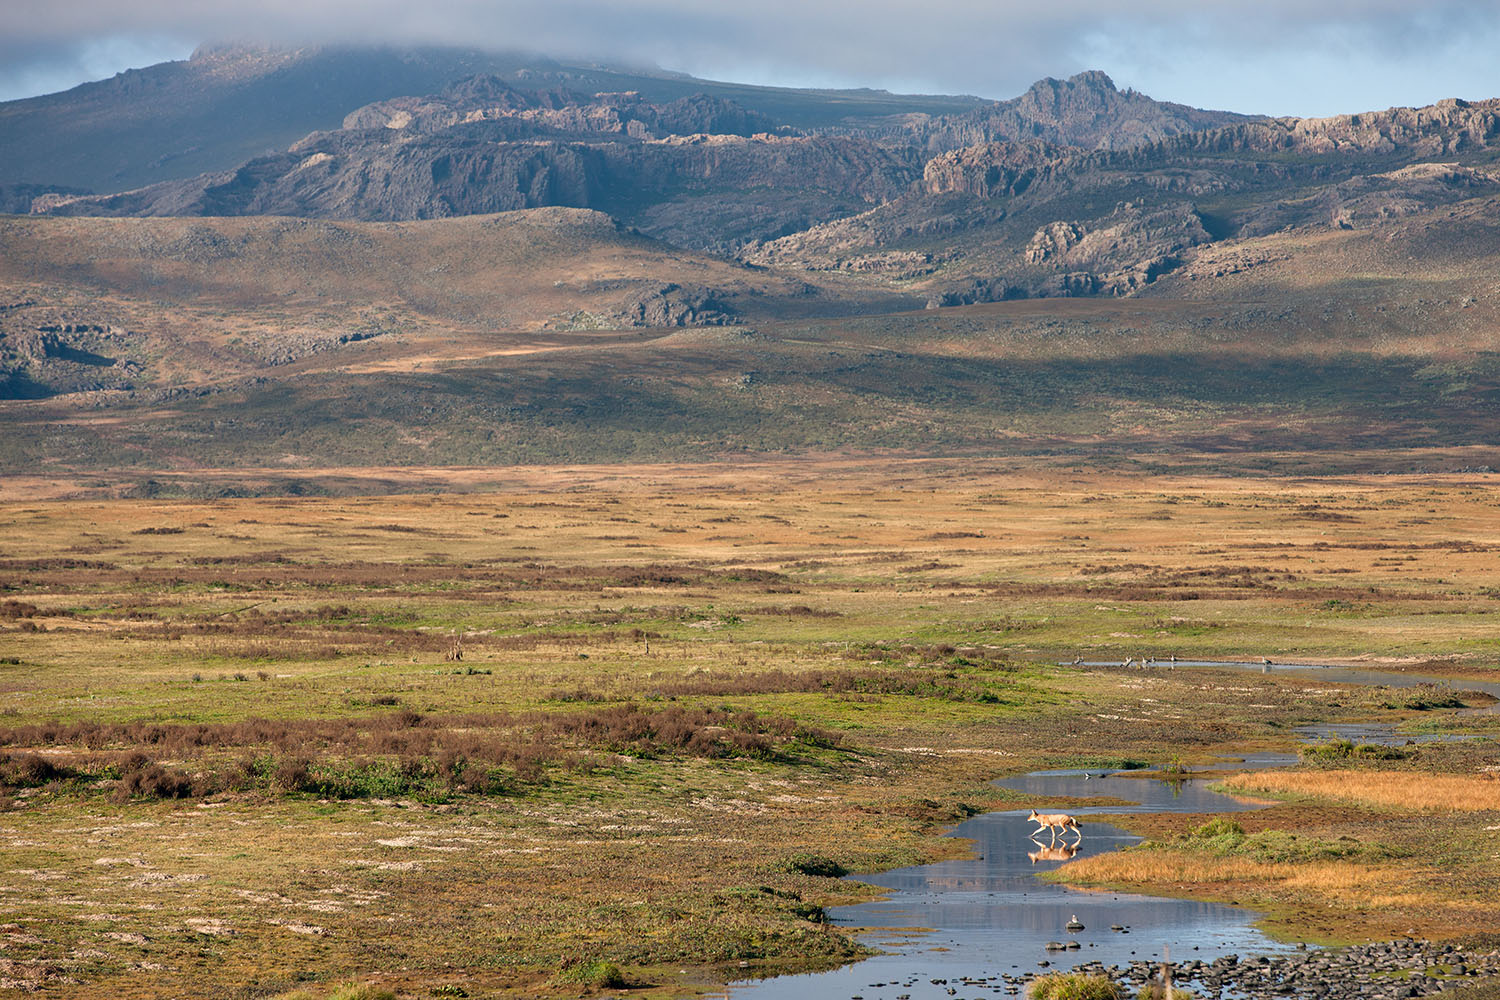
{"x":1052,"y":852}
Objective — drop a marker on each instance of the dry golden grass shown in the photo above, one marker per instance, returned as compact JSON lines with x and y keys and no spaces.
{"x":1381,"y":789}
{"x":1329,"y":901}
{"x":1167,"y":868}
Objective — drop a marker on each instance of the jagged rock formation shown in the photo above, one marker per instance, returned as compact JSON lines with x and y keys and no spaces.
{"x":1002,"y":219}
{"x":1086,"y":110}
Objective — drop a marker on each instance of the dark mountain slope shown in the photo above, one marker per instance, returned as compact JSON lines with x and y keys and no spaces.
{"x":686,"y":166}
{"x":227,"y":105}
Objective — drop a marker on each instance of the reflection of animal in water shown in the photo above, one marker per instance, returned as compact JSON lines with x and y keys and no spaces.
{"x":1052,"y":852}
{"x":1054,"y":822}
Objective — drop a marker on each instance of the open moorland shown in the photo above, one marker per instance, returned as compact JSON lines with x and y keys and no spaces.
{"x":602,"y":727}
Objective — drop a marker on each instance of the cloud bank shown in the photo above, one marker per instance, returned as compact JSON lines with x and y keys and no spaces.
{"x":1270,"y":56}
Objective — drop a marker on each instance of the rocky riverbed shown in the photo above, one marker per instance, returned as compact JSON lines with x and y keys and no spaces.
{"x":1394,"y":969}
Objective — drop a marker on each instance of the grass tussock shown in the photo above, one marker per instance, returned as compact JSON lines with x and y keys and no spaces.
{"x":1156,"y":991}
{"x":1074,"y":986}
{"x":1381,"y":789}
{"x":346,"y":991}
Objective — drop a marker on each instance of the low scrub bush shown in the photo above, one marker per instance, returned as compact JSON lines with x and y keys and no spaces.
{"x":1219,"y":834}
{"x":29,"y":770}
{"x":1424,"y":698}
{"x":142,"y":777}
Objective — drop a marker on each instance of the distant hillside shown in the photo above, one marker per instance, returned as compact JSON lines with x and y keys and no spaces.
{"x":227,"y":105}
{"x":547,"y":336}
{"x":132,"y":307}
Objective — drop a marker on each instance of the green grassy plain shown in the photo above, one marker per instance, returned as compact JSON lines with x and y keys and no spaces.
{"x":239,"y":749}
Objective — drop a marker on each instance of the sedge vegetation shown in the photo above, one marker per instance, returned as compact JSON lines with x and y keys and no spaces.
{"x":607,"y":728}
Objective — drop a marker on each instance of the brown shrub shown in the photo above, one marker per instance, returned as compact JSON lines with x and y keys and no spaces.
{"x":29,"y":770}
{"x":145,"y":778}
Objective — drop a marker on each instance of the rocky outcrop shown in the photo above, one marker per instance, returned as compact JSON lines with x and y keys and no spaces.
{"x":1001,"y":219}
{"x":42,"y":355}
{"x":993,"y":170}
{"x":670,"y":304}
{"x":1443,"y":129}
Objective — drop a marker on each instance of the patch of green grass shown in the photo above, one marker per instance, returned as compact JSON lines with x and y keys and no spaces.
{"x":1225,"y":837}
{"x":1339,"y":752}
{"x":597,"y":974}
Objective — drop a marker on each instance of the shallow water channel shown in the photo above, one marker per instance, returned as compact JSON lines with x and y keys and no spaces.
{"x":953,"y":929}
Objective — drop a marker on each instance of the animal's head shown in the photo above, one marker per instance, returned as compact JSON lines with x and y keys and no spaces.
{"x":1033,"y":815}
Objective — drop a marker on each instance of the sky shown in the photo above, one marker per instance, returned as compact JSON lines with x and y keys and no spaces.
{"x":1281,"y":57}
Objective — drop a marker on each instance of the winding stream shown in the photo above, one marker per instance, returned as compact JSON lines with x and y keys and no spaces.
{"x":969,"y":928}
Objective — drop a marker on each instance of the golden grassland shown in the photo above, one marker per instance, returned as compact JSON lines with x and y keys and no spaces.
{"x":1325,"y":901}
{"x":1445,"y":793}
{"x":606,"y":717}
